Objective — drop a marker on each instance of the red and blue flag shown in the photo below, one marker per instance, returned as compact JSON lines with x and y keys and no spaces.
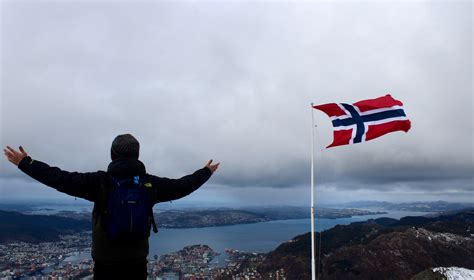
{"x":365,"y":120}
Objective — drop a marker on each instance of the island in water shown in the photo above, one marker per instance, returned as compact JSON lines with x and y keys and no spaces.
{"x":214,"y":217}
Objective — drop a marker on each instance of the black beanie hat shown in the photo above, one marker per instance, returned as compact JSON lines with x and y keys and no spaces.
{"x":125,"y":146}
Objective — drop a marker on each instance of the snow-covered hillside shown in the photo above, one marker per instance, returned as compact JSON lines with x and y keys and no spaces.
{"x":455,"y":273}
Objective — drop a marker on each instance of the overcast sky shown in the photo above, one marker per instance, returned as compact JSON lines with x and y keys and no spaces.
{"x":234,"y":82}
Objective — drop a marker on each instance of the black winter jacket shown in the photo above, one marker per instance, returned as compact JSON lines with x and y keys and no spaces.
{"x":88,"y":186}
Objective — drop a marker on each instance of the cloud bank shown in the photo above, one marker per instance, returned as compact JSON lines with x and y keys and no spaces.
{"x":233,"y":82}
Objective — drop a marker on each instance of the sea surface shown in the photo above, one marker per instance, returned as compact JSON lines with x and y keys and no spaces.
{"x":257,"y":237}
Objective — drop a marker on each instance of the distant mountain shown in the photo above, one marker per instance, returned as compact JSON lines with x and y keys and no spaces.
{"x":17,"y":207}
{"x":367,"y":204}
{"x":380,"y":249}
{"x":434,"y":206}
{"x":431,"y":206}
{"x":294,"y":212}
{"x":15,"y":226}
{"x":206,"y":218}
{"x":222,"y":217}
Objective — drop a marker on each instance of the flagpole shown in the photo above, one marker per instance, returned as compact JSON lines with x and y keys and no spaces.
{"x":313,"y":270}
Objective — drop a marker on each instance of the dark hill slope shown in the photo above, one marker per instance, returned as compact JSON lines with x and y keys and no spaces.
{"x":399,"y":255}
{"x":37,"y":228}
{"x":380,"y":249}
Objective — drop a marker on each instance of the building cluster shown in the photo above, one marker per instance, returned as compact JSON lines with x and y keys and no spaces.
{"x":46,"y":260}
{"x":196,"y":262}
{"x":241,"y":265}
{"x":192,"y":262}
{"x":69,"y":258}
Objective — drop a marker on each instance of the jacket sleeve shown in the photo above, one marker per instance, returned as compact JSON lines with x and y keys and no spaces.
{"x":83,"y":185}
{"x":165,"y":189}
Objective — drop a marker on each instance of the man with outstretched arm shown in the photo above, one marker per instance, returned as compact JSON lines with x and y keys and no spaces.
{"x":123,"y":197}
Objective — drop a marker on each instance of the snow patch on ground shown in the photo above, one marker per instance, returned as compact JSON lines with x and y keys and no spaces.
{"x":443,"y":237}
{"x":455,"y":273}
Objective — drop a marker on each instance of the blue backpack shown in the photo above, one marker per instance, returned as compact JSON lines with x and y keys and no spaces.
{"x":128,"y":211}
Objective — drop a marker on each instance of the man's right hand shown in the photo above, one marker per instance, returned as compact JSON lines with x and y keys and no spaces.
{"x":212,"y":167}
{"x":14,"y":156}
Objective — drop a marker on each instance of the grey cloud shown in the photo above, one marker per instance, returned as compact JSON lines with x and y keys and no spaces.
{"x":233,"y":82}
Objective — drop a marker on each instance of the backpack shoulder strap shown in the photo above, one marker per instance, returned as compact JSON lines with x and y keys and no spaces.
{"x":142,"y":182}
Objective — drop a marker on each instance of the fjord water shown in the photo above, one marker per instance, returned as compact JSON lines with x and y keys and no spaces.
{"x":258,"y":237}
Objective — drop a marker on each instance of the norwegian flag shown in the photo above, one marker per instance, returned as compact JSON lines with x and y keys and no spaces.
{"x":365,"y":120}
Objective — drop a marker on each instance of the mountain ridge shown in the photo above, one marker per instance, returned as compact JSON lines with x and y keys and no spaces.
{"x":381,"y":248}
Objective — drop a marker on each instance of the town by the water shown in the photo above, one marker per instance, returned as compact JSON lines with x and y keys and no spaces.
{"x":60,"y":260}
{"x":444,"y":243}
